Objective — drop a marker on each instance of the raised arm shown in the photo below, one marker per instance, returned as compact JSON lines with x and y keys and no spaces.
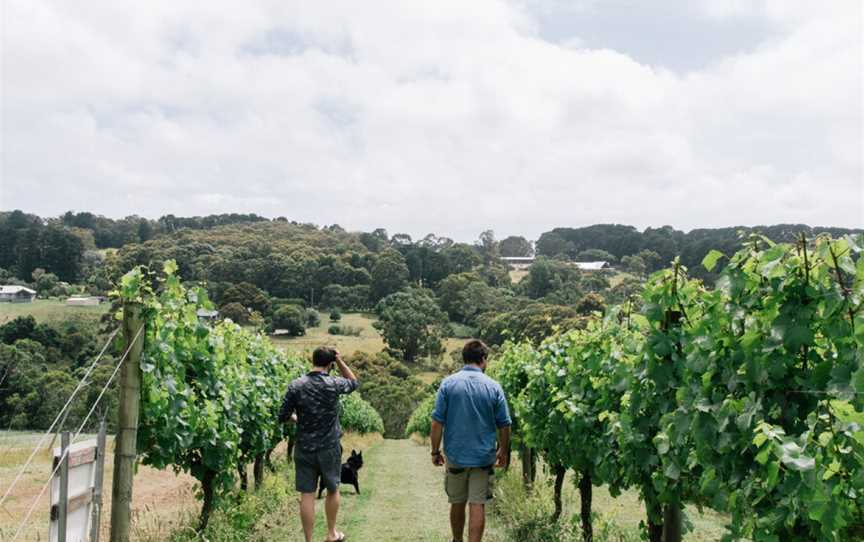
{"x":344,"y":369}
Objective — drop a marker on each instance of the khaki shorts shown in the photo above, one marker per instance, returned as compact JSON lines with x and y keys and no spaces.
{"x":469,"y":484}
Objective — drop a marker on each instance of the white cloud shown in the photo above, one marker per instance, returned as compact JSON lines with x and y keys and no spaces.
{"x":451,"y":117}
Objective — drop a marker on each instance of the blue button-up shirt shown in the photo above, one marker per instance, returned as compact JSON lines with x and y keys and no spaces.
{"x":470,"y":406}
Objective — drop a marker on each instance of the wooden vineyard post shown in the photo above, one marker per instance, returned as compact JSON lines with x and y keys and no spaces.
{"x":98,"y":478}
{"x":125,"y":444}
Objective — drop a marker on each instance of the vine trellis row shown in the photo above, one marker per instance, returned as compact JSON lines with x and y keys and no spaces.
{"x":751,"y":404}
{"x":210,"y":393}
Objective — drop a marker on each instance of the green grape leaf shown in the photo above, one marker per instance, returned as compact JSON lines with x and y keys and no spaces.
{"x":793,"y":456}
{"x":710,"y":260}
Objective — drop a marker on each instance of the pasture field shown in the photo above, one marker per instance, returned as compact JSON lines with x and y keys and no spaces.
{"x":369,"y":341}
{"x":49,"y":310}
{"x":516,"y":275}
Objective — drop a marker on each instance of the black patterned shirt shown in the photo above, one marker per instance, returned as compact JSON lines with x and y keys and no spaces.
{"x":315,"y":399}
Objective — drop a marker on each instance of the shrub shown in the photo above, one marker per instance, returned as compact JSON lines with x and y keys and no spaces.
{"x":411,"y":323}
{"x":313,"y":318}
{"x":45,"y":283}
{"x":247,"y":295}
{"x":235,"y":312}
{"x":420,"y":422}
{"x":533,"y":323}
{"x":590,"y":304}
{"x":359,"y":416}
{"x":279,"y":301}
{"x":352,"y":298}
{"x":290,"y":318}
{"x":461,"y":331}
{"x":351,"y":331}
{"x":335,"y":315}
{"x":389,"y":388}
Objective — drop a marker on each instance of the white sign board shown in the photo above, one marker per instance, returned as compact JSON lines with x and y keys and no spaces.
{"x":82,"y":469}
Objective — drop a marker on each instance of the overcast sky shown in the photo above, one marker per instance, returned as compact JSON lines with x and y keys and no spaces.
{"x":450,"y":116}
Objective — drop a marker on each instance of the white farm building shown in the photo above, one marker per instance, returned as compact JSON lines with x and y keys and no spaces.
{"x":17,"y":294}
{"x":83,"y":301}
{"x":524,"y":262}
{"x":592,"y":266}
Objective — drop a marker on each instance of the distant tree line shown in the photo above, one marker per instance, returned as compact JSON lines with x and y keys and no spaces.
{"x":276,"y":275}
{"x":618,"y":241}
{"x":27,"y":243}
{"x":66,"y":245}
{"x":40,"y":365}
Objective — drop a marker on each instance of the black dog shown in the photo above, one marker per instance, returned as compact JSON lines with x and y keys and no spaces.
{"x":349,"y":472}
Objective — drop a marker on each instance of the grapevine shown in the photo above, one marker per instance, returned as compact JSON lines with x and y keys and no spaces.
{"x":747,"y":397}
{"x":210,"y":394}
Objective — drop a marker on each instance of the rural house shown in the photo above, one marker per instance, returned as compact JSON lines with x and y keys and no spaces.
{"x":16,"y":294}
{"x":524,"y":262}
{"x":592,"y":266}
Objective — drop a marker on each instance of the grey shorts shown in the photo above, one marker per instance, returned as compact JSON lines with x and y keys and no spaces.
{"x":325,"y":464}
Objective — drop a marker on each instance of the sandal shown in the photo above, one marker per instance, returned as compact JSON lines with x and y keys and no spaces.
{"x":341,"y":538}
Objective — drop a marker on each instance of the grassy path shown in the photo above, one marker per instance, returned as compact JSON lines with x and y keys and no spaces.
{"x":402,"y":499}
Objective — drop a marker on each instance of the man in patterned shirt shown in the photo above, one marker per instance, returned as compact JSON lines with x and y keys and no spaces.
{"x":318,"y":452}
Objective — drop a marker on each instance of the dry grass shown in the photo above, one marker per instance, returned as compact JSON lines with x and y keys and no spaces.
{"x":618,"y":277}
{"x":625,"y":511}
{"x":516,"y":275}
{"x":267,"y":514}
{"x":160,"y":497}
{"x":163,"y":503}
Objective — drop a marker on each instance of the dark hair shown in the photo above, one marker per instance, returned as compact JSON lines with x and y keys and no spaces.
{"x":474,"y":351}
{"x":323,"y":356}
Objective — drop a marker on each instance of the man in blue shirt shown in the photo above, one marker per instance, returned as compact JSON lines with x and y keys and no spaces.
{"x":469,"y":409}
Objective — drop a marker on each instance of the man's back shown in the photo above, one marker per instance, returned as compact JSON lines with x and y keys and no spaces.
{"x":318,"y":453}
{"x":471,"y":407}
{"x":315,"y":398}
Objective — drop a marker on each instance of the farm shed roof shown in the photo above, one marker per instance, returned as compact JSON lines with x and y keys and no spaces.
{"x":15,"y":290}
{"x":591,"y":266}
